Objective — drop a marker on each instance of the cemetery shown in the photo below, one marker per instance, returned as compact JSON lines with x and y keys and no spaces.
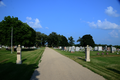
{"x":102,"y":60}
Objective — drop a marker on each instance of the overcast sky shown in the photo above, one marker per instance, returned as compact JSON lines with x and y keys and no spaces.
{"x":99,"y":18}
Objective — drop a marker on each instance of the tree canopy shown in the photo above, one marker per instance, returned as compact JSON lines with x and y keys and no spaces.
{"x":71,"y":41}
{"x":63,"y":41}
{"x":87,"y":40}
{"x":23,"y":34}
{"x":41,"y":39}
{"x":57,"y":40}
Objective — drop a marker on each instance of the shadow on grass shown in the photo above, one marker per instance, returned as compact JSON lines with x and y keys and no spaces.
{"x":28,"y":49}
{"x":22,"y":49}
{"x":24,"y":60}
{"x":114,"y":70}
{"x":81,"y":58}
{"x":13,"y":71}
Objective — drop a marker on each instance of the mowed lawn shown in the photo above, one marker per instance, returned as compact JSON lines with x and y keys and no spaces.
{"x":105,"y":65}
{"x":9,"y":70}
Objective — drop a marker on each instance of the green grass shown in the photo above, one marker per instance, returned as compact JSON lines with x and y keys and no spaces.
{"x":105,"y":65}
{"x":9,"y":70}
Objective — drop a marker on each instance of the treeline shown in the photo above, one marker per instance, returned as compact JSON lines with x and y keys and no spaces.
{"x":23,"y":34}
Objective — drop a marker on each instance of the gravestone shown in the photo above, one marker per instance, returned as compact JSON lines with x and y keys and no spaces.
{"x":99,"y":48}
{"x":95,"y":48}
{"x":62,"y":48}
{"x":80,"y":47}
{"x":106,"y":48}
{"x":72,"y":49}
{"x":113,"y":49}
{"x":22,"y":46}
{"x":19,"y":61}
{"x":87,"y":54}
{"x":91,"y":49}
{"x":69,"y":48}
{"x":77,"y":49}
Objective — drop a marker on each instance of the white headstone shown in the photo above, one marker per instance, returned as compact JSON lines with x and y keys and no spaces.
{"x":99,"y":48}
{"x":95,"y":48}
{"x":60,"y":47}
{"x":69,"y":48}
{"x":113,"y":49}
{"x":22,"y":46}
{"x":77,"y":49}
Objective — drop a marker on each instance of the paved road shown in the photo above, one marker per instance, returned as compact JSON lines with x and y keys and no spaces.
{"x":55,"y":66}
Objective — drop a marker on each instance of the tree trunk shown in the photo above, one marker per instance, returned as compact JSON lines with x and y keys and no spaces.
{"x":12,"y":48}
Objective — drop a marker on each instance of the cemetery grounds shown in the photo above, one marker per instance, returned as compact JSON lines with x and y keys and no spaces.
{"x":9,"y":70}
{"x":105,"y":63}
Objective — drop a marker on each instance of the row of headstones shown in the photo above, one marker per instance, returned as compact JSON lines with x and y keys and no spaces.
{"x":100,"y":48}
{"x":73,"y":48}
{"x":96,"y":48}
{"x":16,"y":47}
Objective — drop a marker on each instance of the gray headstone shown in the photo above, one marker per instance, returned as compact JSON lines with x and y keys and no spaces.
{"x":72,"y":49}
{"x":67,"y":48}
{"x":62,"y":48}
{"x":106,"y":48}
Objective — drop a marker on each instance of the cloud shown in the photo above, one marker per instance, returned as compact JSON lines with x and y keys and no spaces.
{"x":109,"y":11}
{"x":104,"y":25}
{"x":33,"y":23}
{"x":114,"y":34}
{"x":46,"y":27}
{"x":2,"y":4}
{"x":92,"y":24}
{"x":28,"y":18}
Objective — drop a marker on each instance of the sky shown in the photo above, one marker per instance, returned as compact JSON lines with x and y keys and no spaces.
{"x":76,"y":18}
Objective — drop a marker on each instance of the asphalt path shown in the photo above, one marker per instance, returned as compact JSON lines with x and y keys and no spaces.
{"x":55,"y":66}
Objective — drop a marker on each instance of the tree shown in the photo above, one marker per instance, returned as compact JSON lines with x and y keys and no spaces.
{"x":79,"y":40}
{"x":71,"y":41}
{"x":87,"y":40}
{"x":63,"y":41}
{"x":23,"y":34}
{"x":53,"y":39}
{"x":38,"y":39}
{"x":44,"y":39}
